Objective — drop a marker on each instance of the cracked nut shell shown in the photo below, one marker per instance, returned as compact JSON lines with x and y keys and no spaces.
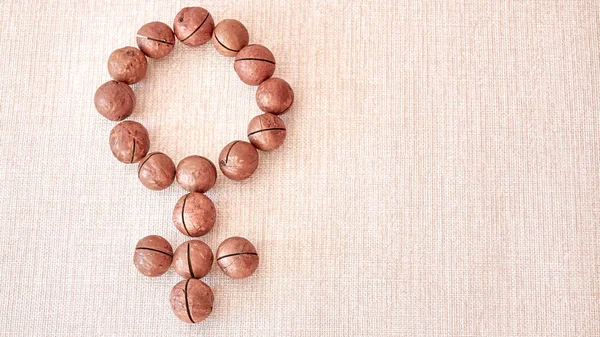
{"x":274,"y":96}
{"x":155,"y":39}
{"x":193,"y":259}
{"x":238,"y":160}
{"x":266,"y":132}
{"x":254,"y":64}
{"x":127,"y":64}
{"x":156,"y":171}
{"x":194,"y":214}
{"x":191,"y":300}
{"x":114,"y":100}
{"x":129,"y":141}
{"x":229,"y":37}
{"x":153,"y":255}
{"x":193,"y":26}
{"x":237,"y":257}
{"x":196,"y":174}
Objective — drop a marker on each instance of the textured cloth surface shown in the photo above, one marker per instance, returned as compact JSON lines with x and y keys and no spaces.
{"x":441,"y":173}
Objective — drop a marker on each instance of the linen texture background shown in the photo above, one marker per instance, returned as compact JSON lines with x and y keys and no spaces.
{"x":440,"y":176}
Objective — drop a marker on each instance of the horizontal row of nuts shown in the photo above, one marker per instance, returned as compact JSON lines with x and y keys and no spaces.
{"x":236,"y":256}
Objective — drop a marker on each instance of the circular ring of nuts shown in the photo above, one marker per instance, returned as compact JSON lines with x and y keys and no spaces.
{"x":194,"y":214}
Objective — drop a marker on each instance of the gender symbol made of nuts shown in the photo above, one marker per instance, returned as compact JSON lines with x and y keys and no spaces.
{"x":194,"y":214}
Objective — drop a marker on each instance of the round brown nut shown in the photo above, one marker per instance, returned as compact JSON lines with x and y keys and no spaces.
{"x":114,"y":100}
{"x":193,"y":26}
{"x":194,"y":214}
{"x":266,"y":132}
{"x":254,"y":64}
{"x":237,"y":257}
{"x":196,"y":174}
{"x":229,"y":37}
{"x":193,"y":259}
{"x":156,"y":171}
{"x":192,"y":300}
{"x":274,"y":96}
{"x":238,"y":160}
{"x":153,"y":255}
{"x":129,"y":141}
{"x":156,"y":39}
{"x":127,"y":65}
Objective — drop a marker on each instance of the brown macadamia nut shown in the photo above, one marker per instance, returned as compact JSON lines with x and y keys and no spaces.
{"x":127,"y":65}
{"x":194,"y":214}
{"x":254,"y":64}
{"x":274,"y":96}
{"x":156,"y":171}
{"x":193,"y":259}
{"x":238,"y":160}
{"x":237,"y":257}
{"x":129,"y":141}
{"x":196,"y":174}
{"x":153,"y":255}
{"x":266,"y":132}
{"x":193,"y":26}
{"x":229,"y":37}
{"x":155,"y":39}
{"x":114,"y":100}
{"x":192,"y":300}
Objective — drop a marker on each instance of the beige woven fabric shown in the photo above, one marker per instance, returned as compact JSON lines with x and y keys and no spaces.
{"x":441,"y":174}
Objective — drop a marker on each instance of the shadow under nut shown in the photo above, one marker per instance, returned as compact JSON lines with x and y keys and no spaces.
{"x":193,"y":259}
{"x":194,"y":214}
{"x":127,"y":65}
{"x":153,"y":255}
{"x":237,"y":257}
{"x":156,"y":171}
{"x":196,"y":174}
{"x":254,"y":64}
{"x":274,"y":96}
{"x":229,"y":37}
{"x":155,"y":39}
{"x":114,"y":100}
{"x":129,"y":141}
{"x":191,"y":300}
{"x":266,"y":132}
{"x":238,"y":160}
{"x":193,"y":26}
